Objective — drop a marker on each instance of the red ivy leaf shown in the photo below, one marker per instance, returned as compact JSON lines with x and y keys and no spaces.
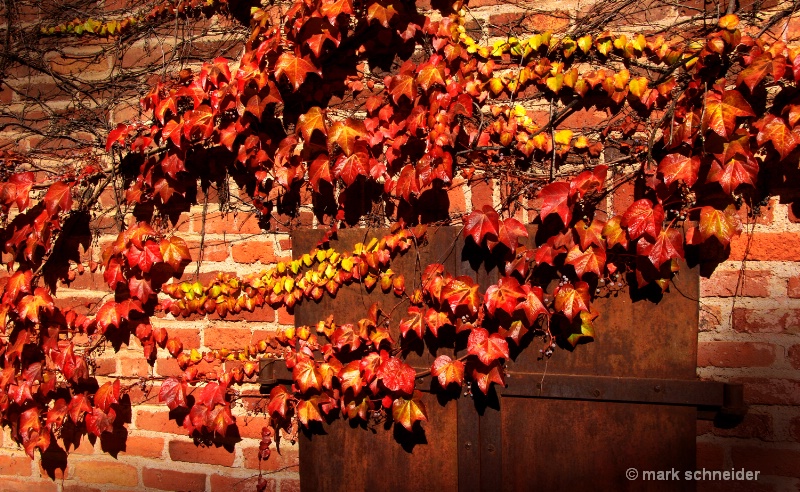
{"x":448,"y":371}
{"x":396,"y":375}
{"x":773,"y":129}
{"x":349,"y":168}
{"x":306,"y":375}
{"x":723,"y":225}
{"x":590,"y":260}
{"x":678,"y":167}
{"x":220,"y":419}
{"x":462,"y":295}
{"x":406,"y":412}
{"x":308,"y":411}
{"x":58,"y":198}
{"x":145,"y":257}
{"x":482,"y":224}
{"x":532,"y":304}
{"x":572,"y":300}
{"x":412,"y":323}
{"x":722,"y":110}
{"x":295,"y":69}
{"x":487,"y":347}
{"x":510,"y":231}
{"x":107,"y":395}
{"x":643,"y":218}
{"x":504,"y":295}
{"x":557,"y":199}
{"x":436,"y":320}
{"x":78,"y":406}
{"x":350,"y":377}
{"x":30,"y":306}
{"x":278,"y":401}
{"x":174,"y":252}
{"x":486,"y":375}
{"x":668,"y":245}
{"x":173,"y":393}
{"x":98,"y":421}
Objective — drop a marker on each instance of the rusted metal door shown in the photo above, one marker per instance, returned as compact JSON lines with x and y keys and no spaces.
{"x":574,"y":422}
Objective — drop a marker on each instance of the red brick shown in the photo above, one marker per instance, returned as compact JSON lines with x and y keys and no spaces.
{"x":794,"y":429}
{"x":134,"y":367}
{"x":148,"y":447}
{"x":158,"y":421}
{"x":710,"y":456}
{"x":219,"y":223}
{"x":754,"y":426}
{"x":704,"y":427}
{"x":224,"y":337}
{"x":518,"y":22}
{"x":189,"y":337}
{"x":10,"y":485}
{"x":735,"y":354}
{"x":252,"y":251}
{"x":794,"y":356}
{"x":286,"y":460}
{"x":764,"y":391}
{"x":139,"y":57}
{"x":106,"y":473}
{"x":15,"y":465}
{"x":78,"y":488}
{"x":259,"y":335}
{"x":250,"y":427}
{"x":778,"y":246}
{"x":483,"y":3}
{"x":171,"y":479}
{"x":458,"y":203}
{"x":79,"y":64}
{"x":724,"y":284}
{"x":85,"y":447}
{"x":290,"y":485}
{"x":213,"y":250}
{"x":793,"y":287}
{"x":710,"y":318}
{"x":284,"y":318}
{"x":764,"y":217}
{"x":169,"y":367}
{"x":285,"y":244}
{"x":748,"y":320}
{"x":192,"y":453}
{"x":222,"y":483}
{"x":482,"y":195}
{"x":768,"y":460}
{"x":105,"y":366}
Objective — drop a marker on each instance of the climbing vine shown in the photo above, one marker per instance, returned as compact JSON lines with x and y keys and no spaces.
{"x":692,"y":127}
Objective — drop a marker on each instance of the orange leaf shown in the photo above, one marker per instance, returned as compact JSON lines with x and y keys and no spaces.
{"x":723,"y":225}
{"x":295,"y":69}
{"x":406,"y":412}
{"x":722,"y":110}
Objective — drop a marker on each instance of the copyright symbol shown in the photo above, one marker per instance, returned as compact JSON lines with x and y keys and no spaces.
{"x":631,"y":474}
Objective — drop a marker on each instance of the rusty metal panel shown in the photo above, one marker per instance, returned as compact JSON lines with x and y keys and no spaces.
{"x":348,"y":459}
{"x":353,"y":459}
{"x":630,"y":390}
{"x":574,"y":431}
{"x":575,"y":446}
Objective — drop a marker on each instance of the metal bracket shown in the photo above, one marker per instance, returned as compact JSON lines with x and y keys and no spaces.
{"x":721,"y":402}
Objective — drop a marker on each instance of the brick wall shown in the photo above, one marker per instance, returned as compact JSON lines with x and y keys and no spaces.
{"x":749,"y":322}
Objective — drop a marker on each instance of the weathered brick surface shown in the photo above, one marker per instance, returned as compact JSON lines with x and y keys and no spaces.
{"x":194,"y":453}
{"x":171,"y":479}
{"x":735,"y":354}
{"x":107,"y":472}
{"x":727,"y":284}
